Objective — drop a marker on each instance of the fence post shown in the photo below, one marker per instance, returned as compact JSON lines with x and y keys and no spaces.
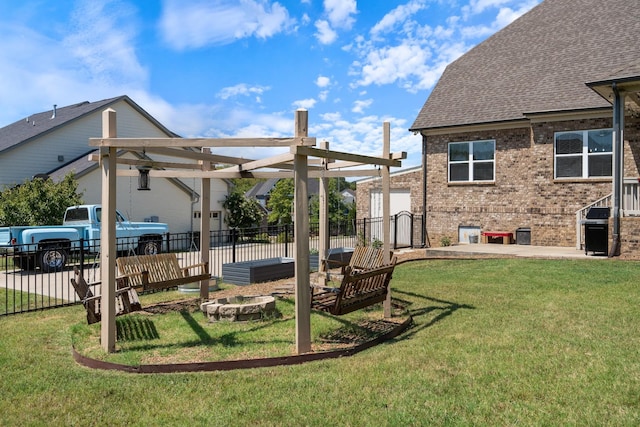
{"x":82,"y":257}
{"x":395,"y":231}
{"x":411,"y":238}
{"x":364,"y":231}
{"x":233,"y":244}
{"x":286,"y":240}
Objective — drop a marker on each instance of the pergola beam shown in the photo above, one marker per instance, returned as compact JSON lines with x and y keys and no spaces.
{"x":194,"y":155}
{"x":143,"y":143}
{"x":224,"y":174}
{"x":271,"y":162}
{"x":150,"y":163}
{"x":349,"y":157}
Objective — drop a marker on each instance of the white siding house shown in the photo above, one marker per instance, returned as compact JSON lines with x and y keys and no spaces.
{"x":56,"y":142}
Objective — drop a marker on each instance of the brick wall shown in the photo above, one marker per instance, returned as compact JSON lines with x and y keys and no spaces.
{"x":524,"y":193}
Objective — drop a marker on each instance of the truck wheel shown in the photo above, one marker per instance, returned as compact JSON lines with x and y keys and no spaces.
{"x":149,"y":247}
{"x":52,"y":259}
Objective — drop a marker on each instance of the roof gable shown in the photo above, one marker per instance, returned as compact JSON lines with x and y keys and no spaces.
{"x":540,"y":62}
{"x":41,"y":123}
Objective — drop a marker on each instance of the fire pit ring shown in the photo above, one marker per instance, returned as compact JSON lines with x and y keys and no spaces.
{"x":239,"y":308}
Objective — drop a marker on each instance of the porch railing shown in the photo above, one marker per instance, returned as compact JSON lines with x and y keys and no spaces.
{"x":630,"y":206}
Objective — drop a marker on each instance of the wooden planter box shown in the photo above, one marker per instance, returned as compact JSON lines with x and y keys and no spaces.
{"x":336,"y":254}
{"x":262,"y":270}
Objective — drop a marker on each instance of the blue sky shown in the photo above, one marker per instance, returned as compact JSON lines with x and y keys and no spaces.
{"x":221,"y":68}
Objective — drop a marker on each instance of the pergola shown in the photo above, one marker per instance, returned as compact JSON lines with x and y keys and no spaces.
{"x":303,"y":161}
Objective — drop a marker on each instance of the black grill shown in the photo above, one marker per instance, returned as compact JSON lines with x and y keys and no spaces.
{"x":596,"y":230}
{"x":598,"y":213}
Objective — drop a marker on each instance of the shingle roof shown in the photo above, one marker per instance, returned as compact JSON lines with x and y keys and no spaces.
{"x":40,"y":123}
{"x":540,"y":62}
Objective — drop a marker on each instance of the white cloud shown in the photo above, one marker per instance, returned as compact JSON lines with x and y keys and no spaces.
{"x":399,"y":15}
{"x":324,"y":33}
{"x":241,"y":89}
{"x":305,"y":103}
{"x":201,"y":23}
{"x":360,"y":105}
{"x":323,"y":95}
{"x":101,"y":38}
{"x":339,"y":13}
{"x":338,"y":16}
{"x":412,"y":55}
{"x":323,"y":81}
{"x":389,"y":64}
{"x":95,"y":60}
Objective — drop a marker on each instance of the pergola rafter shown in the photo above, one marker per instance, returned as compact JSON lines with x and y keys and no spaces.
{"x":303,"y":161}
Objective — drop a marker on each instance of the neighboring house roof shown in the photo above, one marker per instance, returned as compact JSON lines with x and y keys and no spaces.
{"x":38,"y":124}
{"x":539,"y":63}
{"x":262,"y":189}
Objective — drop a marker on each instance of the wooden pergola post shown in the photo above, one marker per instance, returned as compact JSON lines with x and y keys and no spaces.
{"x":108,"y":157}
{"x":205,"y":223}
{"x":323,"y":221}
{"x":386,"y":207}
{"x":301,"y":233}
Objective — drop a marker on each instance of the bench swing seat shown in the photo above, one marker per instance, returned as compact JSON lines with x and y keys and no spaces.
{"x":357,"y":290}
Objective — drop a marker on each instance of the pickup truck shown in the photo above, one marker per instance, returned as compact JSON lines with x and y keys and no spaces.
{"x":49,"y":247}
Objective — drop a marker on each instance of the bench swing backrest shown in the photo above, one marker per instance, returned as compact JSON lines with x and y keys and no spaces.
{"x":160,"y":271}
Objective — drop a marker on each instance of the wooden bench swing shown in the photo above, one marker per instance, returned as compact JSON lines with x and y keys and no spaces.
{"x":127,"y":300}
{"x":358,"y":289}
{"x":142,"y":272}
{"x":160,"y":271}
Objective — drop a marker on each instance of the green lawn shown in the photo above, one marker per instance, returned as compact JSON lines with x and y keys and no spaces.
{"x":494,"y":342}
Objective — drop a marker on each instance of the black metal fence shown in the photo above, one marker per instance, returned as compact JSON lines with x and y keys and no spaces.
{"x":41,"y":278}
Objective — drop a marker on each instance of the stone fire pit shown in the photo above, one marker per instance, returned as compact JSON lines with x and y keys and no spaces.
{"x":239,"y":308}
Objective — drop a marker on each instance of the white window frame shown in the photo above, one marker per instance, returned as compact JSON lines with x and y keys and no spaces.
{"x":584,"y":155}
{"x":471,"y":161}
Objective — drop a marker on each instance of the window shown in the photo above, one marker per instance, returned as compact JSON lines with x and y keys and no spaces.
{"x":583,"y":154}
{"x":472,"y":161}
{"x":198,"y":214}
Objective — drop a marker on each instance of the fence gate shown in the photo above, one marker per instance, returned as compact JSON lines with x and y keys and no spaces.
{"x":402,"y":229}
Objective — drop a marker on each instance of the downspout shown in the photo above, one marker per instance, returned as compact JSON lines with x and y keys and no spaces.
{"x":618,"y":167}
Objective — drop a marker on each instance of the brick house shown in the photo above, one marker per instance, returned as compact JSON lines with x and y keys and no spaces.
{"x":519,"y":131}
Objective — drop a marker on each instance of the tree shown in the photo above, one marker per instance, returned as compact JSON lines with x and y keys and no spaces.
{"x":242,"y":212}
{"x":281,"y":201}
{"x":339,"y":211}
{"x":39,"y":201}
